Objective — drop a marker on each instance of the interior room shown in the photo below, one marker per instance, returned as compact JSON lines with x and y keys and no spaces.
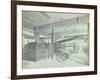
{"x":54,"y":39}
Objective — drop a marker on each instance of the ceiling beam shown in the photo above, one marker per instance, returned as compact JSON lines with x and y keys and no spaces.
{"x":45,"y":14}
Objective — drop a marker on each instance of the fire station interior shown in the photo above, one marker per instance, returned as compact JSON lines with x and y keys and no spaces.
{"x":54,"y":39}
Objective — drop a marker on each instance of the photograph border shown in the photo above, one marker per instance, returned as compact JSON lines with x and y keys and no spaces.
{"x":14,"y":39}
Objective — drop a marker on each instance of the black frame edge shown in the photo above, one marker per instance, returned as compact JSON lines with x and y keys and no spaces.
{"x":13,"y":41}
